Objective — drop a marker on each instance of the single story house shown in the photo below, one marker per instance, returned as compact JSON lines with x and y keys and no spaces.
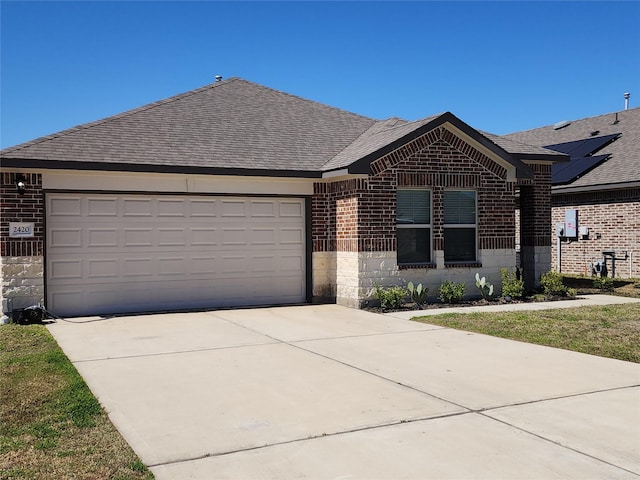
{"x":236,"y":194}
{"x":600,"y":188}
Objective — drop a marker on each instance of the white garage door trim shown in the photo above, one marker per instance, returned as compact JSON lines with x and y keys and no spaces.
{"x":118,"y":253}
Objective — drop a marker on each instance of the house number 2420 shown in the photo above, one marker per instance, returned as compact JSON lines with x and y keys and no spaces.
{"x":20,"y":229}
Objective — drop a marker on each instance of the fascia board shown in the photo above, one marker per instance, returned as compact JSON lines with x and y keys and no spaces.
{"x":128,"y":167}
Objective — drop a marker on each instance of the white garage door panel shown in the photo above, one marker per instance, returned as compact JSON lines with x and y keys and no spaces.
{"x":111,"y":254}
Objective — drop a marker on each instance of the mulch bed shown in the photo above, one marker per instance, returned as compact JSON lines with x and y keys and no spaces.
{"x":584,"y":286}
{"x":477,"y":302}
{"x":466,"y":303}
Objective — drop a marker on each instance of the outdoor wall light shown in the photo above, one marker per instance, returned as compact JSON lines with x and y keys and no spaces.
{"x":21,"y":184}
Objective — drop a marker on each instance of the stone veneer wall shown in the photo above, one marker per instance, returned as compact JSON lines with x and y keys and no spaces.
{"x":21,"y":259}
{"x":356,"y":218}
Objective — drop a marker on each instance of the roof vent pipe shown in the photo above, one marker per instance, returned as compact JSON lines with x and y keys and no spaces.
{"x":626,"y":100}
{"x":218,"y":78}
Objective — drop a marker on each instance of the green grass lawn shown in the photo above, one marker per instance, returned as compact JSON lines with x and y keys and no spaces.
{"x":608,"y":331}
{"x":51,"y":426}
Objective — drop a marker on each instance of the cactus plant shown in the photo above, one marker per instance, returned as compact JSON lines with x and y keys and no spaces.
{"x":486,"y":289}
{"x":418,"y":293}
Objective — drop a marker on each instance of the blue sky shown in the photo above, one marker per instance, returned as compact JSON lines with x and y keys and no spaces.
{"x":499,"y":66}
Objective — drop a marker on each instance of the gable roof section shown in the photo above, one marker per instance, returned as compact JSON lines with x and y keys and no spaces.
{"x":228,"y":125}
{"x":375,"y":139}
{"x":385,"y":137}
{"x":242,"y":128}
{"x":620,"y":168}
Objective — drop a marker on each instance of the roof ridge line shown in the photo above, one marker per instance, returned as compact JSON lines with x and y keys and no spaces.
{"x":572,"y":121}
{"x":127,"y":113}
{"x":316,"y":102}
{"x":407,"y":122}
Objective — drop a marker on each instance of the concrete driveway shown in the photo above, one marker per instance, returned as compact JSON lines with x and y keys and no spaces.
{"x":329,"y":392}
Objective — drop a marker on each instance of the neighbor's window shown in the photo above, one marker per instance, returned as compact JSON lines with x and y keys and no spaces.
{"x":413,"y":223}
{"x":460,"y":226}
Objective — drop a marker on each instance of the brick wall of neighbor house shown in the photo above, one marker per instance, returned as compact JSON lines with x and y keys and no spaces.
{"x":21,"y":259}
{"x":613,"y":220}
{"x":364,"y":235}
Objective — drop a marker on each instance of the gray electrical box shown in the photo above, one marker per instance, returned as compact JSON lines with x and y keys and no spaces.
{"x":571,"y":223}
{"x":583,"y":231}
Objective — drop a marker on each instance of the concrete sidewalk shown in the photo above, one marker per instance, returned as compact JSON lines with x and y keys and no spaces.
{"x":323,"y":391}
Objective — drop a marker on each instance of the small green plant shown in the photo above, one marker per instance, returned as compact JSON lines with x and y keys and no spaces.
{"x":552,"y":285}
{"x":603,"y":283}
{"x":486,"y":289}
{"x":512,"y":284}
{"x":450,"y":292}
{"x":392,"y":297}
{"x":418,"y":293}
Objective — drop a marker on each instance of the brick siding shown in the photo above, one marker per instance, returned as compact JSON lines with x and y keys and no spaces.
{"x":535,"y":206}
{"x":21,"y":208}
{"x":613,"y":219}
{"x":365,"y":209}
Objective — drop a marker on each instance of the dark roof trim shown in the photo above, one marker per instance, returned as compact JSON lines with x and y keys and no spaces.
{"x":147,"y":168}
{"x":532,"y":157}
{"x":522,"y":171}
{"x":558,"y":189}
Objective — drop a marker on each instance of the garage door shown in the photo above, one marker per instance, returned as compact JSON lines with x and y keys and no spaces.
{"x":128,"y":253}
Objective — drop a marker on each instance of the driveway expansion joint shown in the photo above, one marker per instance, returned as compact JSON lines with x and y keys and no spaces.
{"x":557,"y":443}
{"x":312,"y":437}
{"x":176,"y":352}
{"x":559,"y":397}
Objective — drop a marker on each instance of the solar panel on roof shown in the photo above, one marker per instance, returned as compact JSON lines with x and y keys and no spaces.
{"x":576,"y":167}
{"x":581,"y":157}
{"x":584,"y":147}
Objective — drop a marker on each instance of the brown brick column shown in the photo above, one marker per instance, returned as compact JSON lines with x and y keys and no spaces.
{"x":535,"y":226}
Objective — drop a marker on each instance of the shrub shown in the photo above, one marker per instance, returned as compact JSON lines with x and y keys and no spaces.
{"x":486,"y":289}
{"x":392,"y":297}
{"x":551,"y":283}
{"x":512,"y":285}
{"x":450,"y":292}
{"x":418,"y":293}
{"x":603,"y":283}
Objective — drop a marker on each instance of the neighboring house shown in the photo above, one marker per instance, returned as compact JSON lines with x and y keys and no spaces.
{"x":601,"y":184}
{"x":236,"y":194}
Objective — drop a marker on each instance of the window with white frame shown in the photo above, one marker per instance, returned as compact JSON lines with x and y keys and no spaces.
{"x":413,"y":222}
{"x":460,"y":226}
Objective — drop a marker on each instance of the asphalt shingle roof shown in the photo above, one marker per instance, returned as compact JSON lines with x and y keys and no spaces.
{"x":523,"y":149}
{"x":622,"y":167}
{"x":237,"y":126}
{"x":379,"y":135}
{"x":231,"y":124}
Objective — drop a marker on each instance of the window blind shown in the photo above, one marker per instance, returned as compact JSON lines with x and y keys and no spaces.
{"x":459,"y":207}
{"x":413,"y":207}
